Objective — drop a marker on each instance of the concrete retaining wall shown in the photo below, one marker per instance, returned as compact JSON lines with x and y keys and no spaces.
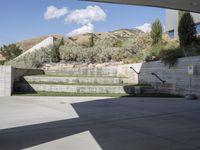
{"x":78,"y":80}
{"x":177,"y":78}
{"x":18,"y":73}
{"x":73,"y":88}
{"x":118,"y":71}
{"x":48,"y":41}
{"x":8,"y":75}
{"x":6,"y":80}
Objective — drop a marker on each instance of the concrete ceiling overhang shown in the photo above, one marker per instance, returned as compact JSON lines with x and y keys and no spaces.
{"x":187,"y":5}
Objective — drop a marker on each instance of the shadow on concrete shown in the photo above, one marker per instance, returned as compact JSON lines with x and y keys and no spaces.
{"x":116,"y":124}
{"x":25,"y":89}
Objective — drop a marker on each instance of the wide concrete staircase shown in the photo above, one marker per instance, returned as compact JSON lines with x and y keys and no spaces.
{"x":80,"y":84}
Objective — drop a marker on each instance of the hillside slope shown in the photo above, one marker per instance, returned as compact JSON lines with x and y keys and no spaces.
{"x":89,"y":48}
{"x":117,"y":35}
{"x":29,"y":43}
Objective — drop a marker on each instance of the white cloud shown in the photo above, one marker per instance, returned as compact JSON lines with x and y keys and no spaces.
{"x":53,"y":12}
{"x":88,"y":28}
{"x":145,"y":27}
{"x":85,"y":16}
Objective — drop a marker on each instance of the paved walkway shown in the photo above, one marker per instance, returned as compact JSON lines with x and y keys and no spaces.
{"x":74,"y":123}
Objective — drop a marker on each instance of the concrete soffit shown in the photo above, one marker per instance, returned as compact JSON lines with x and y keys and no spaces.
{"x":187,"y":5}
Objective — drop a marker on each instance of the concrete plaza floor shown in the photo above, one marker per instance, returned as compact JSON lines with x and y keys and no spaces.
{"x":88,"y":123}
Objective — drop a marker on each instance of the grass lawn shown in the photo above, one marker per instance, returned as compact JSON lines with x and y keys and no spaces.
{"x":52,"y":75}
{"x":92,"y":94}
{"x":81,"y":84}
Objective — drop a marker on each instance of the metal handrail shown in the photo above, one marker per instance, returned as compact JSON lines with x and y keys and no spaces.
{"x":154,"y":74}
{"x":135,"y":70}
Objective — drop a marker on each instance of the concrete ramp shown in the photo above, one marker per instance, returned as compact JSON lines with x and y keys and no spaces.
{"x":48,"y":41}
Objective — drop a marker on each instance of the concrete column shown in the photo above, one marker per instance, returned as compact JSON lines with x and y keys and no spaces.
{"x":6,"y":81}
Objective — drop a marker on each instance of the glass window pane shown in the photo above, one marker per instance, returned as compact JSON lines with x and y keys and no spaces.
{"x":171,"y":34}
{"x":198,"y":28}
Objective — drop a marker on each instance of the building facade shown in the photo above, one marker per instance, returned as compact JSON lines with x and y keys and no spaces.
{"x":172,"y":23}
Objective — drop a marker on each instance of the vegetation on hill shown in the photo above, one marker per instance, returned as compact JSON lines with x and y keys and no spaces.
{"x":105,"y":47}
{"x":156,"y":32}
{"x":55,"y":53}
{"x":32,"y":60}
{"x":126,"y":45}
{"x":170,"y":50}
{"x":10,"y":52}
{"x":186,"y":29}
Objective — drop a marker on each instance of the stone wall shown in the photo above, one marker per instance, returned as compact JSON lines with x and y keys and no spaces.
{"x":6,"y":80}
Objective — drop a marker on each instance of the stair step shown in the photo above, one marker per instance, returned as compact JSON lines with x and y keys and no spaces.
{"x":85,"y":71}
{"x":20,"y":87}
{"x":78,"y":80}
{"x":128,"y":89}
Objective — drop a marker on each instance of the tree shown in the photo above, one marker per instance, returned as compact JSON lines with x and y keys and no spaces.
{"x":55,"y":51}
{"x":92,"y":41}
{"x":55,"y":55}
{"x":156,"y":32}
{"x":10,"y":51}
{"x":62,"y":42}
{"x":186,"y":29}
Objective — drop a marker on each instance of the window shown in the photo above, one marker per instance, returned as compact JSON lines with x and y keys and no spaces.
{"x":171,"y":34}
{"x":198,"y":28}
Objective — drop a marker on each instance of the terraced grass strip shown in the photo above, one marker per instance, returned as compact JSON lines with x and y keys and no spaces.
{"x":81,"y":84}
{"x":52,"y":75}
{"x":93,"y":95}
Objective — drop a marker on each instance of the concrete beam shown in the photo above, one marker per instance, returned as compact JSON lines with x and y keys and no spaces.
{"x":188,"y":5}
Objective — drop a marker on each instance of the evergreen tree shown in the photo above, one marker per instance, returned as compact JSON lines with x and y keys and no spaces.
{"x":92,"y":41}
{"x":186,"y":29}
{"x":156,"y":32}
{"x":55,"y":55}
{"x":62,"y":42}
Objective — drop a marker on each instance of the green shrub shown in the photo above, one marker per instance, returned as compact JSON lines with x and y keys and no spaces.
{"x":105,"y":54}
{"x":104,"y":43}
{"x":2,"y":62}
{"x":118,"y":43}
{"x":32,"y":60}
{"x":70,"y":52}
{"x":186,"y":29}
{"x":153,"y":53}
{"x":91,"y":55}
{"x":10,"y":51}
{"x":137,"y":58}
{"x":118,"y":55}
{"x":193,"y":49}
{"x":156,"y":32}
{"x":170,"y":56}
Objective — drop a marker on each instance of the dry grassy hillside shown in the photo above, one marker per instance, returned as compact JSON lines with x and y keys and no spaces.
{"x":29,"y":43}
{"x":122,"y":34}
{"x":116,"y":35}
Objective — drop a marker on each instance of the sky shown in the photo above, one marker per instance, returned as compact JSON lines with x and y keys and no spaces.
{"x":24,"y":19}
